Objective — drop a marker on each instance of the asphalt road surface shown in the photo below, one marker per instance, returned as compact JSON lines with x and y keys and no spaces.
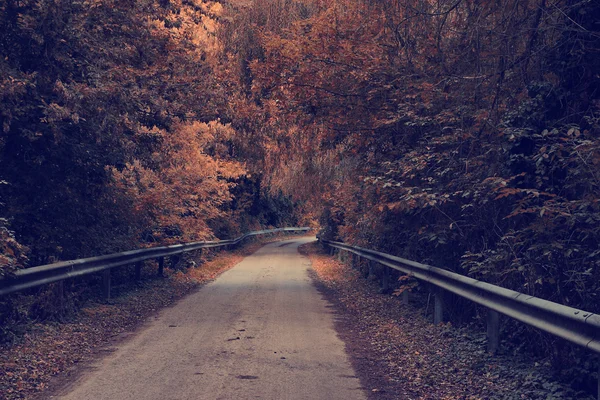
{"x":260,"y":331}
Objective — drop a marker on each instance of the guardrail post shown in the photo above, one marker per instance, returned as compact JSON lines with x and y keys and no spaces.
{"x":438,"y":311}
{"x":339,"y":255}
{"x":161,"y":266}
{"x":371,"y":272}
{"x":493,"y":331}
{"x":106,"y":284}
{"x":405,"y":297}
{"x":60,"y":295}
{"x":138,"y":270}
{"x":364,"y":269}
{"x":599,"y":380}
{"x":385,"y":280}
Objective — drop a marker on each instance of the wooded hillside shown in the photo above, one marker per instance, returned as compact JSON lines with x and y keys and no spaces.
{"x":460,"y":133}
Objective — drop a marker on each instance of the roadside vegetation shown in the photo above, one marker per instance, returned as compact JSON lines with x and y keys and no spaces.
{"x":459,"y":133}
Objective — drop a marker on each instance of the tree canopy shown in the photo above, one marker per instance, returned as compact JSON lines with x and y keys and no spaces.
{"x":460,"y":133}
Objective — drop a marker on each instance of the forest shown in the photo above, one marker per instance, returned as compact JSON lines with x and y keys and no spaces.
{"x":464,"y":134}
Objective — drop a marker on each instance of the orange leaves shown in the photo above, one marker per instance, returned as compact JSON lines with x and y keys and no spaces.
{"x":12,"y":253}
{"x":407,"y":283}
{"x":191,"y":182}
{"x":392,"y":206}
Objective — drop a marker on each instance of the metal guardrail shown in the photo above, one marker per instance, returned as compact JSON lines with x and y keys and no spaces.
{"x":576,"y":326}
{"x":45,"y":274}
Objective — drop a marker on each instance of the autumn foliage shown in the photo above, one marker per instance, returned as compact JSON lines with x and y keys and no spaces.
{"x":463,"y":134}
{"x":460,"y":133}
{"x":111,"y":131}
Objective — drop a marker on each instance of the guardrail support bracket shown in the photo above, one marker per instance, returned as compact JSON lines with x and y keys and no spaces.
{"x":371,"y":275}
{"x":161,"y":266}
{"x":138,"y":270}
{"x":60,"y":295}
{"x":364,"y":269}
{"x":385,"y":280}
{"x":106,"y":284}
{"x":355,"y":261}
{"x":438,"y":310}
{"x":493,"y":331}
{"x":405,"y":297}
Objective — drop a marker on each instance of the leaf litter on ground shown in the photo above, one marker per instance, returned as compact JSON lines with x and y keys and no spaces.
{"x":399,"y":354}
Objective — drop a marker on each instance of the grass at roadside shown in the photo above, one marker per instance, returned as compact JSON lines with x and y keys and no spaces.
{"x":51,"y":349}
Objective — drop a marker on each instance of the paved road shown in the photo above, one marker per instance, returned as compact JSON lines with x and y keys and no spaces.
{"x":260,"y":331}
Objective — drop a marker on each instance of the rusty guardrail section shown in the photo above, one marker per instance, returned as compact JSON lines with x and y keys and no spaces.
{"x":45,"y":274}
{"x":576,"y":326}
